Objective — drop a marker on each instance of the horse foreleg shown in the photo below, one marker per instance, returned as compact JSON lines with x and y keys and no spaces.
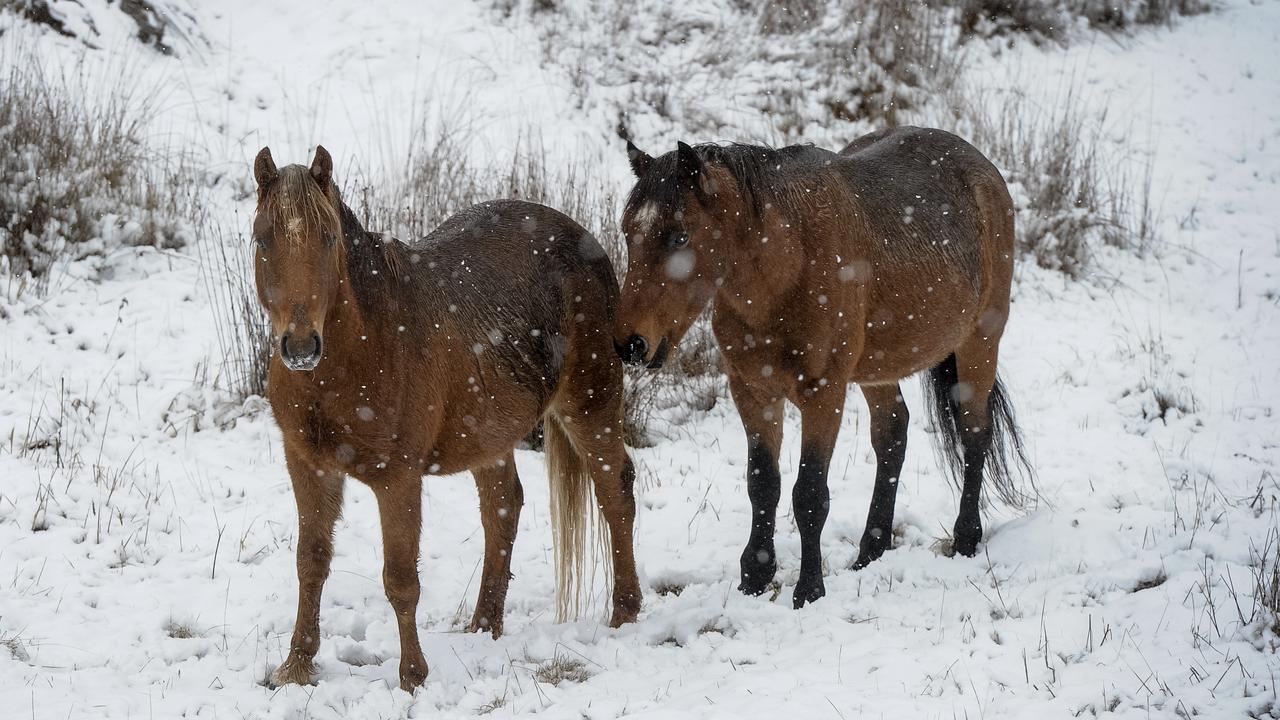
{"x":820,"y":413}
{"x":762,"y":420}
{"x":318,"y":495}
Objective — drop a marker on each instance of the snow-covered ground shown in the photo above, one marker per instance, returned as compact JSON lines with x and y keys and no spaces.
{"x":146,"y":566}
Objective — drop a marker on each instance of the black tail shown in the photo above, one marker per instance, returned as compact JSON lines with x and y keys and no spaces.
{"x":1006,"y":461}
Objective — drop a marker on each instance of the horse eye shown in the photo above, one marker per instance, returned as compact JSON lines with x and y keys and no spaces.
{"x":260,"y":242}
{"x":329,"y":239}
{"x":679,"y":240}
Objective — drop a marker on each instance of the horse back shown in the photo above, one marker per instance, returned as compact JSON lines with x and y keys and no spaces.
{"x":929,"y":200}
{"x":521,"y":246}
{"x":514,"y":275}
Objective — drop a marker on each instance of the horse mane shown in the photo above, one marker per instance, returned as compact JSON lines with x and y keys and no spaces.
{"x":764,"y":175}
{"x":375,"y":262}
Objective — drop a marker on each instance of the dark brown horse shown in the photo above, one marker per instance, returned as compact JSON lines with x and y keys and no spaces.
{"x":395,"y":361}
{"x":892,"y":257}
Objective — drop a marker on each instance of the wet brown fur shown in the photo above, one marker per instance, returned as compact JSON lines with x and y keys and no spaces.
{"x":438,"y":357}
{"x":823,"y":269}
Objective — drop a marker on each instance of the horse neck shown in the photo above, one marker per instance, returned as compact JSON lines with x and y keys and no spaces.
{"x":764,"y":259}
{"x":354,"y":323}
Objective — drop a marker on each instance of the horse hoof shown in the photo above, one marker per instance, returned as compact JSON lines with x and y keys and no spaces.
{"x":867,"y":554}
{"x":752,"y":586}
{"x":758,"y":566}
{"x":807,"y":592}
{"x":295,"y":670}
{"x":622,"y":616}
{"x":626,"y":603}
{"x":494,"y":632}
{"x":967,"y":547}
{"x":483,"y":624}
{"x":413,"y":676}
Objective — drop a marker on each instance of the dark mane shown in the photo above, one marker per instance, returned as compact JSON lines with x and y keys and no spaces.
{"x":375,"y":261}
{"x":765,"y":175}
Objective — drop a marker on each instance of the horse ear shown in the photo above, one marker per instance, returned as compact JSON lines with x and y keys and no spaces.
{"x":322,"y":167}
{"x":689,"y":170}
{"x":264,"y":168}
{"x":640,"y":160}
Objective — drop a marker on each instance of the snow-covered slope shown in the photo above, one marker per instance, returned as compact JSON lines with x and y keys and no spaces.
{"x":146,"y":566}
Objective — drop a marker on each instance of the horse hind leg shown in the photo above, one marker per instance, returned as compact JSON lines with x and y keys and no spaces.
{"x":972,"y":376}
{"x":974,"y":423}
{"x":594,"y":451}
{"x":889,"y":419}
{"x":501,"y":497}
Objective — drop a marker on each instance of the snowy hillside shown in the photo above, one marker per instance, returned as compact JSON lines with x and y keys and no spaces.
{"x":147,"y":521}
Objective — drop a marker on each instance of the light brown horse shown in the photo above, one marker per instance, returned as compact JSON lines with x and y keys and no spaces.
{"x":892,"y":257}
{"x":394,"y":361}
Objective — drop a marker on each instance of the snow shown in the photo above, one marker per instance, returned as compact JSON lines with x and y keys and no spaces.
{"x":146,"y":556}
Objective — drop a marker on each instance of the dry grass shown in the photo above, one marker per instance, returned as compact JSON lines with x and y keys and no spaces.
{"x":865,"y":61}
{"x":438,"y":178}
{"x":811,"y":61}
{"x":181,"y":631}
{"x":1053,"y":19}
{"x":561,"y":668}
{"x":691,"y":380}
{"x":244,"y":333}
{"x":80,"y":174}
{"x":15,"y":646}
{"x":497,"y":703}
{"x":1265,"y":561}
{"x":1066,"y":169}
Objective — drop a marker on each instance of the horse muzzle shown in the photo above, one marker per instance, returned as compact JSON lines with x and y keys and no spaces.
{"x":301,"y":354}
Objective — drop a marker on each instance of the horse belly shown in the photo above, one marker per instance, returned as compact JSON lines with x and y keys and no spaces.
{"x":912,"y":325}
{"x":480,"y":430}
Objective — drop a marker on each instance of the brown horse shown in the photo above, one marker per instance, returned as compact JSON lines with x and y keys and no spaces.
{"x":892,"y":257}
{"x":394,"y":361}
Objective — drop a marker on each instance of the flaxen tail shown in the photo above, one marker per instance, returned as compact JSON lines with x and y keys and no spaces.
{"x":1007,"y":471}
{"x":577,"y":530}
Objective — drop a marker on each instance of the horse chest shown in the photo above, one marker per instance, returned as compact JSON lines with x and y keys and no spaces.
{"x":357,"y":431}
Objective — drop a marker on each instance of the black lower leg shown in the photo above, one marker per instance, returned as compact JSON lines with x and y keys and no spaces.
{"x":811,"y":501}
{"x":968,"y":528}
{"x":889,"y":439}
{"x":880,"y":519}
{"x":763,"y":488}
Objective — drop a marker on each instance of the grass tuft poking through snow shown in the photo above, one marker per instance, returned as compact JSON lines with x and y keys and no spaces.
{"x":561,"y":668}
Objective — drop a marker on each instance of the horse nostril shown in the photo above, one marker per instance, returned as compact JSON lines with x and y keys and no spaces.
{"x":284,"y":345}
{"x":639,"y":348}
{"x":315,"y":344}
{"x":633,"y":351}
